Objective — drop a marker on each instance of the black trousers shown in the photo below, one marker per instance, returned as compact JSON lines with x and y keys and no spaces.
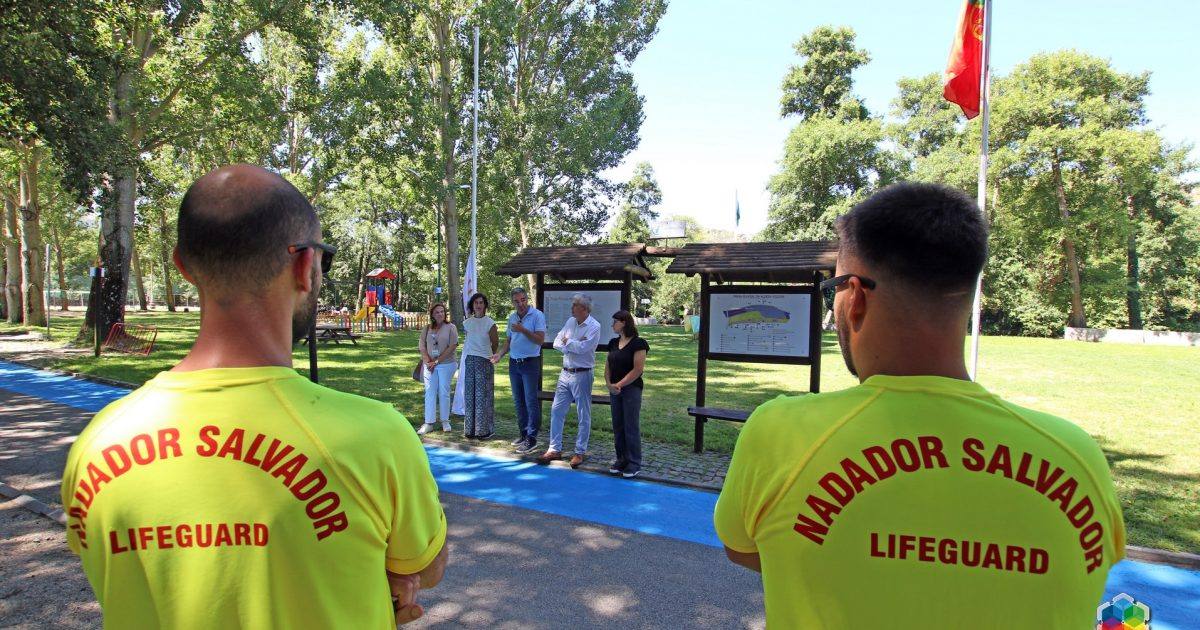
{"x":627,"y":432}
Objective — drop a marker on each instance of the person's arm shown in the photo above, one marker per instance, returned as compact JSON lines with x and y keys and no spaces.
{"x":494,"y":337}
{"x":417,"y":553}
{"x":749,"y":560}
{"x":561,"y":339}
{"x":739,"y":504}
{"x":425,"y":358}
{"x":639,"y":365}
{"x":608,"y":372}
{"x":536,"y":336}
{"x":585,"y":344}
{"x":452,"y":346}
{"x":503,"y":350}
{"x":404,"y":587}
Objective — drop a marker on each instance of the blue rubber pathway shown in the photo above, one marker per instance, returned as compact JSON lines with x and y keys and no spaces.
{"x":678,"y":513}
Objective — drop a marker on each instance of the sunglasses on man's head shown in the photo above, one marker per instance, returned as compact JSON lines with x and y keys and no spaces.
{"x":829,"y":287}
{"x":327,"y":252}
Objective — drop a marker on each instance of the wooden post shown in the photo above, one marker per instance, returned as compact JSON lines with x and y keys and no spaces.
{"x":701,"y":363}
{"x":627,"y":294}
{"x":541,"y":305}
{"x":816,"y":335}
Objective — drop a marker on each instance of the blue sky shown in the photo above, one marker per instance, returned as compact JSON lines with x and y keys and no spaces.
{"x":711,"y":77}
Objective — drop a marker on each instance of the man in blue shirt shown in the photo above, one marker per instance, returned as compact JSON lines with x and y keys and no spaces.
{"x":523,"y":341}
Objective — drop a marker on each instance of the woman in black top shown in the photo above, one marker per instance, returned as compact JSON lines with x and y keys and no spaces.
{"x":623,"y":374}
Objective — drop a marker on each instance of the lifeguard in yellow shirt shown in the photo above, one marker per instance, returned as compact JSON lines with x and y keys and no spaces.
{"x":230,"y":492}
{"x":917,"y":499}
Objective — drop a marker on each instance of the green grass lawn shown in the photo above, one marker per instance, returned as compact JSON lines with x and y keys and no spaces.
{"x":1141,"y":403}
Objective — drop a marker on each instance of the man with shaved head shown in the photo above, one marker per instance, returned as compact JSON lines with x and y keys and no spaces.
{"x":229,"y":491}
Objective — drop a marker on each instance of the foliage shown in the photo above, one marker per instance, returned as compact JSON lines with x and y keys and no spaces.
{"x":835,"y":156}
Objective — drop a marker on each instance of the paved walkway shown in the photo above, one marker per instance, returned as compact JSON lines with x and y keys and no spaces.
{"x":668,"y":463}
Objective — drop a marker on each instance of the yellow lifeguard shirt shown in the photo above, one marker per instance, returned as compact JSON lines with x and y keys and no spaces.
{"x":918,"y":502}
{"x":249,"y":498}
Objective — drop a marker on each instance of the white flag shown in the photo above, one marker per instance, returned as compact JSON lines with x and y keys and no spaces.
{"x":470,"y":286}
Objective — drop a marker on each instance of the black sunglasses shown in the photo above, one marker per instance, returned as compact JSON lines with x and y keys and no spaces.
{"x":829,"y":287}
{"x":327,"y":252}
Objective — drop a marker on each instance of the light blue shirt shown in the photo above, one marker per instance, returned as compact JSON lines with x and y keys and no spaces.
{"x":519,"y":346}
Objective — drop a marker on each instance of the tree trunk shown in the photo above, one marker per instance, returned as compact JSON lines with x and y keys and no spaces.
{"x":1077,"y":319}
{"x":12,"y":263}
{"x":1133,"y":292}
{"x":164,"y":254}
{"x":116,"y":230}
{"x":448,"y":133}
{"x":62,"y":273}
{"x":361,"y":272}
{"x":117,"y":213}
{"x":138,"y":280}
{"x":523,"y":226}
{"x":33,"y":269}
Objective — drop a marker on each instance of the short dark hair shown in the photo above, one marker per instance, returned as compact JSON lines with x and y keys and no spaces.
{"x":630,"y":324}
{"x":471,"y":303}
{"x":924,"y":235}
{"x":239,"y":236}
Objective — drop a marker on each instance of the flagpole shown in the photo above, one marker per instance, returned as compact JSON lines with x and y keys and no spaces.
{"x":475,"y":141}
{"x":985,"y":109}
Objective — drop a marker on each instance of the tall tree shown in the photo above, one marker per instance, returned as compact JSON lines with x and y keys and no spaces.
{"x":24,"y":165}
{"x":641,"y":195}
{"x":835,"y":155}
{"x":12,"y":262}
{"x":821,"y":86}
{"x":1048,"y":119}
{"x":180,"y":71}
{"x":562,"y":107}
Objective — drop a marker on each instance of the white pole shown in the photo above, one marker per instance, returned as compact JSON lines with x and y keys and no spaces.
{"x":475,"y":142}
{"x":46,"y":289}
{"x":985,"y":84}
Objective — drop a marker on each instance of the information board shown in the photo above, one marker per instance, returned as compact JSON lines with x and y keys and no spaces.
{"x":557,"y":308}
{"x":760,"y":324}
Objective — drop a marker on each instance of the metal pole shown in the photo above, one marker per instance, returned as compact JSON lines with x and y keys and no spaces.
{"x":438,"y":289}
{"x":46,"y":290}
{"x":475,"y":142}
{"x":985,"y":84}
{"x":312,"y":352}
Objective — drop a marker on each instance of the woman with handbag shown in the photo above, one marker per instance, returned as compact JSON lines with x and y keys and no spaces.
{"x":479,"y":400}
{"x":438,"y":342}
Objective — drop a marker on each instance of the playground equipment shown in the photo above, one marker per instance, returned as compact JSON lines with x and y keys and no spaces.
{"x":376,"y":312}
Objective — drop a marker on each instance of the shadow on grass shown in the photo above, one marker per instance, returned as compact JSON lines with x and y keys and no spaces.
{"x":1163,"y":508}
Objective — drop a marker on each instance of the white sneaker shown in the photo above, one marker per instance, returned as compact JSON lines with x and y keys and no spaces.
{"x":446,"y":427}
{"x":425,"y":428}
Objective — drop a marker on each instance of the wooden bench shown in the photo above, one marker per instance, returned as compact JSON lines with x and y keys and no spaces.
{"x":702,"y":414}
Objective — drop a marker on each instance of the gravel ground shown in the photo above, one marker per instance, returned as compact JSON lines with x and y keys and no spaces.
{"x":41,"y":582}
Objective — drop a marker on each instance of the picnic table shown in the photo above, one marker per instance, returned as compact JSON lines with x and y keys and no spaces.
{"x":335,"y":333}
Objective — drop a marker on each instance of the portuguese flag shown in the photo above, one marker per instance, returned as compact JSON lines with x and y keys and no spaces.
{"x":961,"y":82}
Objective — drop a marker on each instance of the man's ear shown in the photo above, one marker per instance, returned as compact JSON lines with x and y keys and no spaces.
{"x":179,"y":266}
{"x":301,"y":269}
{"x":856,"y":303}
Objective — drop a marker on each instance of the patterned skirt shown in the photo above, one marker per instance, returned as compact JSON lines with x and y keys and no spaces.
{"x":479,"y":399}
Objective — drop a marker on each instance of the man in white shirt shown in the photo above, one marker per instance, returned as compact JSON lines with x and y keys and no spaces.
{"x":577,"y":341}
